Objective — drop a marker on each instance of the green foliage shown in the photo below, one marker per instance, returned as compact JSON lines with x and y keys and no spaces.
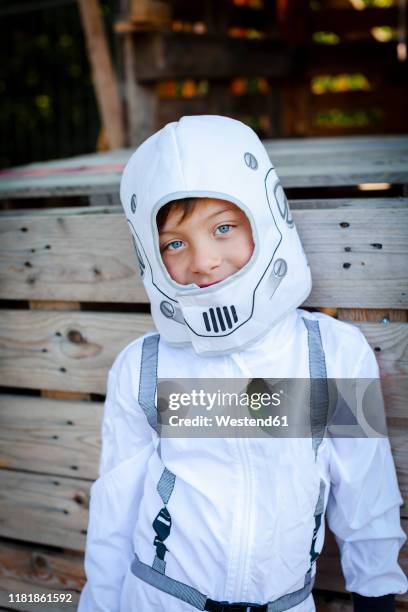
{"x":47,"y":106}
{"x":336,"y":117}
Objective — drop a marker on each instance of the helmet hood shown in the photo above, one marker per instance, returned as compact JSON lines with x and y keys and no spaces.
{"x":215,"y":157}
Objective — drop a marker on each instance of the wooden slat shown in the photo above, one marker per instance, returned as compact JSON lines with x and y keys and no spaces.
{"x":391,"y":339}
{"x":65,"y":257}
{"x":67,"y":351}
{"x":350,"y":241}
{"x":45,"y":435}
{"x":49,"y":509}
{"x":309,"y":162}
{"x":186,"y":55}
{"x":25,"y":569}
{"x":35,"y":569}
{"x":36,"y":433}
{"x":24,"y":335}
{"x":63,"y":437}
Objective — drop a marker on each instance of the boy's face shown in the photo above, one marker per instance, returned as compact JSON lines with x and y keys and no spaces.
{"x":213,"y":242}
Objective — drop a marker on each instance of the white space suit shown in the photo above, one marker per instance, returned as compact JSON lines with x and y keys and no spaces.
{"x":178,"y":524}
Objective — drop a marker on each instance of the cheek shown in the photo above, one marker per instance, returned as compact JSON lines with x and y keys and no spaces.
{"x":175,"y":267}
{"x":243,"y":248}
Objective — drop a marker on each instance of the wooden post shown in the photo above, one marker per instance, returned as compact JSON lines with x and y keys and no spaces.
{"x":141,"y":101}
{"x":103,"y":74}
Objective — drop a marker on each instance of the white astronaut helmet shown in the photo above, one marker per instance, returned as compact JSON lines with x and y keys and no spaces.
{"x":215,"y":157}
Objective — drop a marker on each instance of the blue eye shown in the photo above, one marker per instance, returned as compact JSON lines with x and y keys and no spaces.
{"x":173,"y":246}
{"x":224,"y":229}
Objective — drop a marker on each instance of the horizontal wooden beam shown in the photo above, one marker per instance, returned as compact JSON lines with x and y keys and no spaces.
{"x":26,"y":568}
{"x":307,"y":162}
{"x":73,"y":351}
{"x":73,"y":256}
{"x":42,"y":508}
{"x":46,"y":435}
{"x":64,"y":351}
{"x":162,"y":55}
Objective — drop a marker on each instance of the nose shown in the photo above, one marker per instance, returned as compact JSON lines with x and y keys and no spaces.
{"x":204,"y":259}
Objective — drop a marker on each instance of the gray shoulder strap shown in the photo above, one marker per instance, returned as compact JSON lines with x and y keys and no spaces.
{"x":319,"y":394}
{"x":148,"y":378}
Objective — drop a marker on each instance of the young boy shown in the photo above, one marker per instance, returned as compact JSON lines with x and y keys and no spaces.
{"x":230,"y":524}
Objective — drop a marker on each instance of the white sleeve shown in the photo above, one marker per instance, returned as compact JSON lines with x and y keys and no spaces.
{"x":115,"y":497}
{"x":363,"y":508}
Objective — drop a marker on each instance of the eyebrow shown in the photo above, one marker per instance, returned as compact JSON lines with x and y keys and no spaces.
{"x":219,"y":212}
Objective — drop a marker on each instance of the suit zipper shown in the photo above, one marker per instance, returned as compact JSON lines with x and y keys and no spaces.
{"x":246,"y":522}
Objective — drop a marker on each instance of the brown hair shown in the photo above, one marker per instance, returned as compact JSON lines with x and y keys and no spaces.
{"x":185,"y":205}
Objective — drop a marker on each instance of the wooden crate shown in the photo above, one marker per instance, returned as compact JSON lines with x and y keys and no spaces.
{"x":70,"y":304}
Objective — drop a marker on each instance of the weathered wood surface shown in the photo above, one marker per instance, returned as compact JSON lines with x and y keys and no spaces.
{"x":186,"y":55}
{"x":64,"y":351}
{"x":61,"y":256}
{"x":50,"y":436}
{"x":36,"y":569}
{"x":48,"y":508}
{"x":309,"y":162}
{"x":62,"y":437}
{"x":103,"y":73}
{"x":72,"y":351}
{"x":37,"y":507}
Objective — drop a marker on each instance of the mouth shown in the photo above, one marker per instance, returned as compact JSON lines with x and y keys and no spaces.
{"x":209,"y":284}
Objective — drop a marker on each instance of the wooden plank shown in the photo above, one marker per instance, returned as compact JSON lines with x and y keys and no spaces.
{"x":37,"y":569}
{"x":308,"y":162}
{"x":64,"y":257}
{"x":47,"y":509}
{"x":39,"y":258}
{"x":351,"y":240}
{"x":373,"y":315}
{"x":391,"y":339}
{"x":64,"y":351}
{"x":167,"y":55}
{"x":103,"y":74}
{"x":362,"y":203}
{"x":352,"y":166}
{"x":43,"y":435}
{"x":82,"y":366}
{"x":37,"y":433}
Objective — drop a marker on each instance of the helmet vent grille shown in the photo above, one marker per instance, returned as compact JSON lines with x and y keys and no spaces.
{"x":219,"y":319}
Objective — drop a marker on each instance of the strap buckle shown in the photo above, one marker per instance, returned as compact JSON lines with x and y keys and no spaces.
{"x":222,"y":606}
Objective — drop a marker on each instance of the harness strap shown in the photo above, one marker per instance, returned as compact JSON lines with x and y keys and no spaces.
{"x":318,"y":521}
{"x":147,"y":401}
{"x":148,"y":378}
{"x":200,"y":601}
{"x":319,"y":393}
{"x":162,"y":522}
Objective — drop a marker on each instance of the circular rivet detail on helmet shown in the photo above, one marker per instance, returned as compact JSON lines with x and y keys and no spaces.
{"x":280,"y":268}
{"x":251,"y":161}
{"x":133,"y":203}
{"x":167,"y":309}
